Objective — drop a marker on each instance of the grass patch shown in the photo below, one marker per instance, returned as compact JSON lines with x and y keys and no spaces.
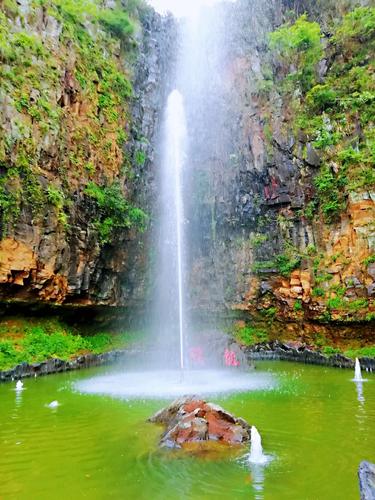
{"x":34,"y":342}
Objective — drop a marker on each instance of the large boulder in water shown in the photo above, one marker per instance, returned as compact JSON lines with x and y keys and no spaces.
{"x":192,"y":420}
{"x":366,"y":475}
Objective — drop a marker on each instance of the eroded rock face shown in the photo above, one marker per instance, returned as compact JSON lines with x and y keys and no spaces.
{"x":192,"y":420}
{"x":366,"y":475}
{"x":57,"y":255}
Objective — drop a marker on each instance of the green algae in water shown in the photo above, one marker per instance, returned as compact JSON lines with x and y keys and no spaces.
{"x":317,"y":425}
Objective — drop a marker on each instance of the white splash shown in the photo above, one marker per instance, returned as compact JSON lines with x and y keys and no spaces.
{"x":357,"y":372}
{"x":19,"y":386}
{"x":256,"y":451}
{"x":53,"y":404}
{"x":169,"y":383}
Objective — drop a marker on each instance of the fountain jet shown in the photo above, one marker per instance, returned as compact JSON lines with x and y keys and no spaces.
{"x":357,"y":371}
{"x":170,"y":310}
{"x":256,"y":451}
{"x":19,"y":386}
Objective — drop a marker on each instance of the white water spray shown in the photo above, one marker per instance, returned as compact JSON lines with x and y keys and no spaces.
{"x":256,"y":451}
{"x":170,"y":310}
{"x":357,"y":371}
{"x":178,"y":131}
{"x":19,"y":386}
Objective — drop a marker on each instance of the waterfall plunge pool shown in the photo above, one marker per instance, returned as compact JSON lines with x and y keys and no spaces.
{"x":315,"y":422}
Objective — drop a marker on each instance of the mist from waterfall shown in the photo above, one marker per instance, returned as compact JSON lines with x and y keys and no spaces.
{"x":169,"y":307}
{"x":193,"y":130}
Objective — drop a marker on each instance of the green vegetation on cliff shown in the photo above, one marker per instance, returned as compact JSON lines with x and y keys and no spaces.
{"x":65,"y":87}
{"x":333,"y":108}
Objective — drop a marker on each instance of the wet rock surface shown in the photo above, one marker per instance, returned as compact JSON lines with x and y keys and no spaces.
{"x":193,"y":420}
{"x":366,"y":474}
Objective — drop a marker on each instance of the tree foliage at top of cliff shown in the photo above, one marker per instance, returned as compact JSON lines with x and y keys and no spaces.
{"x":333,"y":108}
{"x":65,"y":86}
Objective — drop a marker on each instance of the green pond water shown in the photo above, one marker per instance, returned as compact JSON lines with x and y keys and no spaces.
{"x":316,"y":423}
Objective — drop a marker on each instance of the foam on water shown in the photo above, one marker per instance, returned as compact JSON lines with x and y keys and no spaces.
{"x":174,"y":383}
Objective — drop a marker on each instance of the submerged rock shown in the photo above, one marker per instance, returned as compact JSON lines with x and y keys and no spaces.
{"x":192,"y":420}
{"x":366,"y":476}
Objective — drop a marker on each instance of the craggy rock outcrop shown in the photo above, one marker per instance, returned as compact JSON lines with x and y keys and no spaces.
{"x":79,"y":104}
{"x":366,"y":474}
{"x":192,"y":420}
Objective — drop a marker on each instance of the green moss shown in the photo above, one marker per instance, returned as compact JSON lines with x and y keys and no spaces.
{"x":117,"y":22}
{"x":298,"y":306}
{"x":318,"y":292}
{"x":140,"y":158}
{"x":115,"y":211}
{"x":248,"y":335}
{"x":369,"y":260}
{"x":258,"y":239}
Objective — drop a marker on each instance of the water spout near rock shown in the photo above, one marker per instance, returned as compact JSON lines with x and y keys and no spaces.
{"x":256,"y":450}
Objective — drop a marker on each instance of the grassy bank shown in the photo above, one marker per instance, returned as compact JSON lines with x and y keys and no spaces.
{"x":37,"y":340}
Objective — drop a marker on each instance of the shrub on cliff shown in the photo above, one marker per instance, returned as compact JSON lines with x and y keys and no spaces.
{"x":115,"y":211}
{"x":299,"y":47}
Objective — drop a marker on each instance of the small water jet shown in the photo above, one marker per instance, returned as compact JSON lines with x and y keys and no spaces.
{"x":19,"y":386}
{"x":53,"y":404}
{"x":358,"y":372}
{"x":256,"y":450}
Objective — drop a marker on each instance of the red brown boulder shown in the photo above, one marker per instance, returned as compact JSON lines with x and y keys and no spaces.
{"x":192,"y":420}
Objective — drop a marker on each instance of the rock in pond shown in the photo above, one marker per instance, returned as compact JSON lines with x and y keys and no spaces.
{"x":192,"y":420}
{"x":366,"y":476}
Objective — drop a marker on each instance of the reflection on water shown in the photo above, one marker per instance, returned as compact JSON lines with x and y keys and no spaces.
{"x":360,"y":396}
{"x":257,"y":474}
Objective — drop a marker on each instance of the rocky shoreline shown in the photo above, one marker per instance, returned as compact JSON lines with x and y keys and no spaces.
{"x":276,"y":350}
{"x":54,"y":365}
{"x":298,"y":352}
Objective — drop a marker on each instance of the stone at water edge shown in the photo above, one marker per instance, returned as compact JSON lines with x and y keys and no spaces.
{"x":192,"y":420}
{"x":366,"y":474}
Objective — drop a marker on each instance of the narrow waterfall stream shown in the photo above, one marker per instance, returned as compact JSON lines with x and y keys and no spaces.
{"x":172,"y":215}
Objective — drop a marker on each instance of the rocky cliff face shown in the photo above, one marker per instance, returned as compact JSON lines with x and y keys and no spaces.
{"x":275,"y":241}
{"x":282,"y":209}
{"x":80,"y":97}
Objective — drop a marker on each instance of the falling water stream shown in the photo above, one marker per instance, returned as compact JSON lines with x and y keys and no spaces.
{"x":175,"y":139}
